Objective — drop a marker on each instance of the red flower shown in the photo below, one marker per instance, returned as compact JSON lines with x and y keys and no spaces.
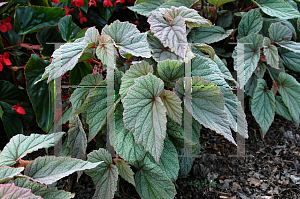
{"x":55,"y":1}
{"x":5,"y":25}
{"x":119,"y":1}
{"x":4,"y":60}
{"x":3,"y":28}
{"x":81,"y":17}
{"x":107,"y":3}
{"x":92,"y":2}
{"x":77,"y":3}
{"x":19,"y":109}
{"x":68,"y":11}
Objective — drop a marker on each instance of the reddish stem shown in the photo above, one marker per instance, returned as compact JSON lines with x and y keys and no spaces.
{"x":95,"y":61}
{"x":213,"y":13}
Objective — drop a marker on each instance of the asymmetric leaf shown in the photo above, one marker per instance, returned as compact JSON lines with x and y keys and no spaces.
{"x":170,"y":70}
{"x":153,"y":183}
{"x":168,"y":161}
{"x":173,"y":105}
{"x":42,"y":190}
{"x":210,"y":35}
{"x":31,"y":18}
{"x":252,"y":22}
{"x":105,"y":175}
{"x":97,"y":111}
{"x":252,"y":54}
{"x":67,"y":55}
{"x":206,"y":48}
{"x":125,"y":170}
{"x":91,"y":35}
{"x":146,"y":7}
{"x":277,"y":8}
{"x":128,"y":38}
{"x":290,"y":45}
{"x":232,"y":108}
{"x":289,"y":89}
{"x":76,"y":138}
{"x":105,"y":49}
{"x":279,"y":32}
{"x":171,"y":33}
{"x":263,"y":106}
{"x":160,"y":53}
{"x":7,"y":173}
{"x":207,"y":105}
{"x":177,"y":136}
{"x":136,"y":70}
{"x":281,"y":108}
{"x":271,"y":53}
{"x":49,"y":169}
{"x":290,"y":59}
{"x":20,"y":145}
{"x":191,"y":16}
{"x":11,"y":191}
{"x":145,"y":115}
{"x":126,"y":146}
{"x":39,"y":94}
{"x":68,"y":29}
{"x":223,"y":68}
{"x":80,"y":96}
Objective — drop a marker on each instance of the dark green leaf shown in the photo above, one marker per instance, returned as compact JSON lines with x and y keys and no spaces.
{"x":290,"y":59}
{"x":68,"y":29}
{"x":36,"y":18}
{"x":11,"y":121}
{"x":39,"y":94}
{"x":49,"y":35}
{"x":251,"y":22}
{"x":11,"y":95}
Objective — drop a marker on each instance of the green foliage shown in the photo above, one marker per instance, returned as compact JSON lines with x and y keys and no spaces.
{"x":151,"y":95}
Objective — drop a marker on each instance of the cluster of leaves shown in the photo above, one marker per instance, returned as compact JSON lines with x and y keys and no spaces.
{"x":150,"y":133}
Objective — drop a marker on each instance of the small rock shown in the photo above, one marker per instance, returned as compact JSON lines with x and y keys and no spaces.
{"x":295,"y":179}
{"x":247,"y":190}
{"x":264,"y":186}
{"x":254,"y":181}
{"x":235,"y":187}
{"x":243,"y":196}
{"x":225,"y":186}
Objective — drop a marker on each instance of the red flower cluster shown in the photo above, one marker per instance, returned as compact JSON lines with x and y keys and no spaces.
{"x":19,"y":109}
{"x":4,"y":60}
{"x":77,"y":3}
{"x":55,"y":1}
{"x":107,"y":3}
{"x":119,"y":1}
{"x":68,"y":11}
{"x":5,"y":25}
{"x":81,"y":17}
{"x":92,"y":2}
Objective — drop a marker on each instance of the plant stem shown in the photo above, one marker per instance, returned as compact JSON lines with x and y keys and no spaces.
{"x":10,"y":47}
{"x":95,"y":61}
{"x":213,"y":13}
